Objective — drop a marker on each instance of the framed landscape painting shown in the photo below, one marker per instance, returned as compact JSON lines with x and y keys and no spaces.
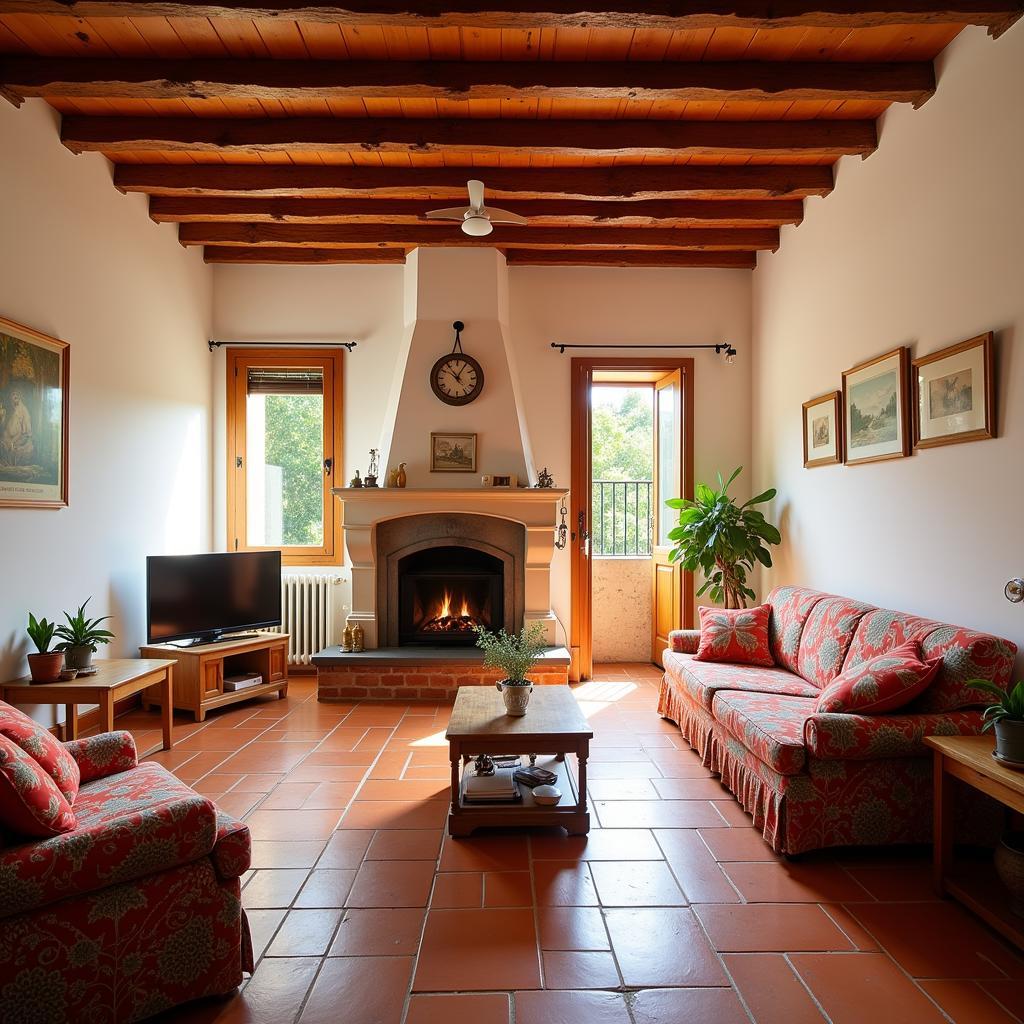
{"x":823,"y":430}
{"x":33,"y":418}
{"x":875,"y":421}
{"x":453,"y":453}
{"x":954,"y":399}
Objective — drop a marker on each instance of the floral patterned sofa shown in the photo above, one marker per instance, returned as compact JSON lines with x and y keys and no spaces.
{"x":135,"y":910}
{"x":814,"y":780}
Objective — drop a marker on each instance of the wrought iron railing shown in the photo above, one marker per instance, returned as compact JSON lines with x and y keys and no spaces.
{"x":622,"y":518}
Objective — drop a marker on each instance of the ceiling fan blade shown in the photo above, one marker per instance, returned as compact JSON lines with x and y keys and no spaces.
{"x":451,"y":213}
{"x":476,"y":193}
{"x":504,"y":216}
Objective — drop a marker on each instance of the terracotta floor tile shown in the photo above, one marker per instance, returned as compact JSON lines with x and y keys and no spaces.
{"x":326,"y":887}
{"x":621,"y":789}
{"x":395,"y":814}
{"x":405,"y":844}
{"x":658,"y":814}
{"x":305,"y":933}
{"x":902,"y":883}
{"x":486,"y":853}
{"x":377,"y":714}
{"x":374,"y":739}
{"x":238,"y":805}
{"x":770,"y":988}
{"x":691,"y":789}
{"x":404,"y":789}
{"x":273,"y":888}
{"x":273,"y":853}
{"x":793,"y":882}
{"x":330,"y":795}
{"x":571,"y":1008}
{"x":696,"y":870}
{"x":258,"y":783}
{"x":1009,"y":993}
{"x":732,"y":812}
{"x":478,"y":950}
{"x":392,"y":883}
{"x":372,"y":990}
{"x":572,"y":928}
{"x":856,"y":987}
{"x":579,"y":970}
{"x":737,"y":844}
{"x":662,"y":946}
{"x":288,"y":796}
{"x":299,"y":824}
{"x":703,"y":1005}
{"x":264,"y":756}
{"x":201,"y":764}
{"x":564,"y":884}
{"x":492,"y":1008}
{"x":379,"y":932}
{"x":508,"y":889}
{"x":218,"y":739}
{"x":457,"y":889}
{"x":346,"y":849}
{"x":437,"y":773}
{"x":273,"y":993}
{"x":334,"y":758}
{"x":770,"y":927}
{"x":217,"y":783}
{"x":622,"y":770}
{"x":636,"y":884}
{"x":861,"y":938}
{"x":679,"y":764}
{"x":262,"y":925}
{"x":967,"y":950}
{"x":966,"y":1002}
{"x":600,"y":844}
{"x":345,"y":737}
{"x":306,"y":772}
{"x":617,"y":755}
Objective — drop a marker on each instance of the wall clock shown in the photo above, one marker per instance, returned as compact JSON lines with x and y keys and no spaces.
{"x":457,"y":379}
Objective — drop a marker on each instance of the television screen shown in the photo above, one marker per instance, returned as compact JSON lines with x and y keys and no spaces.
{"x":202,"y":596}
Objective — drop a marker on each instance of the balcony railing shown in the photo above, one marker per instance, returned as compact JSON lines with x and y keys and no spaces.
{"x":622,"y":518}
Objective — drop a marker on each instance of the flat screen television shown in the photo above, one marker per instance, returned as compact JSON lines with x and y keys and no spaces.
{"x":201,"y":597}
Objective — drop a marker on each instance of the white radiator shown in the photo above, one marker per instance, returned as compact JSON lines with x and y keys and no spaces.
{"x":307,"y":614}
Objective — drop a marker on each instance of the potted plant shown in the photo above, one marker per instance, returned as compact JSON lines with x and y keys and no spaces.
{"x":514,"y":655}
{"x":45,"y":664}
{"x":723,"y":540}
{"x":1005,"y":717}
{"x":80,"y":637}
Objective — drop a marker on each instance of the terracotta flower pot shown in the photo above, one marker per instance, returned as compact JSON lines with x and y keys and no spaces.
{"x":516,"y":697}
{"x":45,"y":668}
{"x":1010,"y":739}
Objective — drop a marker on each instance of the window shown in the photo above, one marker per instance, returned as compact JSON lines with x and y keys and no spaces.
{"x":284,"y":442}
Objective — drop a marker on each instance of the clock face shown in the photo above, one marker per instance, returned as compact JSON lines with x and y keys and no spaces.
{"x":457,"y":379}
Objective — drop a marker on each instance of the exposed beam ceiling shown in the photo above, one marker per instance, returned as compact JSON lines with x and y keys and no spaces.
{"x":244,"y":254}
{"x":628,"y":258}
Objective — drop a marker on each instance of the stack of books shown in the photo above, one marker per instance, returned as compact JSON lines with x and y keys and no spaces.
{"x":499,"y":788}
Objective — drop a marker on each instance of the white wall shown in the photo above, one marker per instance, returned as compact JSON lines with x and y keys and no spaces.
{"x":919,"y":245}
{"x":85,"y":264}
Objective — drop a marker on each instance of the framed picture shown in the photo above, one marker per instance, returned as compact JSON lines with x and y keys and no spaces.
{"x":33,"y":418}
{"x":954,"y":399}
{"x":506,"y":481}
{"x":876,"y":424}
{"x":453,"y":453}
{"x":823,"y":430}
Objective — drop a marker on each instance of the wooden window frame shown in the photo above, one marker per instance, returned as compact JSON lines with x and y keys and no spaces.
{"x":239,"y":360}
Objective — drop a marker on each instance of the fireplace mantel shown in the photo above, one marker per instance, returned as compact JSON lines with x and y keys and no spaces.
{"x":452,"y":495}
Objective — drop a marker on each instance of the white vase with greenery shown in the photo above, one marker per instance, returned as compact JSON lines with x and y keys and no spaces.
{"x":513,"y":655}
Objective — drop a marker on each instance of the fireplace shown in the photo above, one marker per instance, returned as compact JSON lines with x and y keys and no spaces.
{"x":446,"y":591}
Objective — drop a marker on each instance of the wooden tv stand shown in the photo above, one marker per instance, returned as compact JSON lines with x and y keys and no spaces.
{"x":199,"y":675}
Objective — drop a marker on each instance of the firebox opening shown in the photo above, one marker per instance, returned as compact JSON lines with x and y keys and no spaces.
{"x":444,"y":592}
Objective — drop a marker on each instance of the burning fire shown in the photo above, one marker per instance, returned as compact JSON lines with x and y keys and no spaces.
{"x":445,"y":619}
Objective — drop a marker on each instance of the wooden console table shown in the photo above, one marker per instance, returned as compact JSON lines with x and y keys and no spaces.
{"x":969,"y":759}
{"x":199,"y":680}
{"x":115,"y":679}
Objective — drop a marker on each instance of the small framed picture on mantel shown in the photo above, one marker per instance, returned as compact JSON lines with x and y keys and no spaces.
{"x":876,"y":424}
{"x":823,"y":430}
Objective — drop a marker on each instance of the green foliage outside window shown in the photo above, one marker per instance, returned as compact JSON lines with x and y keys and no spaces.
{"x":295,"y":443}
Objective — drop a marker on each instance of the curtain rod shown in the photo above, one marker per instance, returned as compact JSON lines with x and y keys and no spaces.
{"x":722,"y":346}
{"x":211,"y":344}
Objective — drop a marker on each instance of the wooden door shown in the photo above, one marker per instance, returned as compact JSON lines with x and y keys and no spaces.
{"x":581,"y":626}
{"x":667,"y":579}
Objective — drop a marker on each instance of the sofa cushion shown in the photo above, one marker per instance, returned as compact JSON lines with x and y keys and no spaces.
{"x":30,"y":802}
{"x":880,"y":630}
{"x":703,"y":679}
{"x":41,"y":744}
{"x":771,"y":726}
{"x":966,"y":655}
{"x":883,"y":683}
{"x":790,"y":608}
{"x":105,"y":754}
{"x":826,"y":638}
{"x":736,"y":635}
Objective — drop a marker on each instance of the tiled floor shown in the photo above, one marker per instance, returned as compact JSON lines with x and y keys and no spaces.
{"x":673,"y":910}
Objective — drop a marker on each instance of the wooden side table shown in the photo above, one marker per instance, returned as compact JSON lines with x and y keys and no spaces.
{"x":114,"y":680}
{"x":969,"y":759}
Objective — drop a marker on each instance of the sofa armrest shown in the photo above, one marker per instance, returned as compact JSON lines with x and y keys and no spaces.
{"x":684,"y":641}
{"x":835,"y":737}
{"x":103,"y":755}
{"x":232,"y":852}
{"x":108,"y":851}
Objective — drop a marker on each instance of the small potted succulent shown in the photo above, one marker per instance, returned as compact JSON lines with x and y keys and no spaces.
{"x":45,"y":664}
{"x":514,"y":655}
{"x":1005,"y":717}
{"x":80,"y":636}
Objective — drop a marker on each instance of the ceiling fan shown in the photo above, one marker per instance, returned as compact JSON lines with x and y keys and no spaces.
{"x":476,"y":218}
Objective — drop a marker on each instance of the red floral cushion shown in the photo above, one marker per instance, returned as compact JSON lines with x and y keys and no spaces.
{"x":739,"y":635}
{"x":883,"y":683}
{"x":30,"y":802}
{"x":39,"y":743}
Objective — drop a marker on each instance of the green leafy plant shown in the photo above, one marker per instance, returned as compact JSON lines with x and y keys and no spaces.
{"x":723,"y":540}
{"x":81,"y":631}
{"x":40,"y":632}
{"x":1009,"y":704}
{"x":514,"y":654}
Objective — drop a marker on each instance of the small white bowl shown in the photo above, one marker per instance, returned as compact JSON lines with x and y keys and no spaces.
{"x":547,"y":796}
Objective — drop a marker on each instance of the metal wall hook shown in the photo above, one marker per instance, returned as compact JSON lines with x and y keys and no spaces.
{"x":1014,"y":590}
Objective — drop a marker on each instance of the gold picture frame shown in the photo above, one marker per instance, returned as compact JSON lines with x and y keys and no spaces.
{"x":452,"y":452}
{"x":954,"y":394}
{"x":823,"y":430}
{"x":876,"y":414}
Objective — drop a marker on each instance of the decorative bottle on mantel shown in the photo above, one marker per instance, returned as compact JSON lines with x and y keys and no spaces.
{"x":357,"y":638}
{"x":402,"y":478}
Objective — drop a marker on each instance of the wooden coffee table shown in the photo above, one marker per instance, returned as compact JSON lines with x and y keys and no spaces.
{"x":553,"y":724}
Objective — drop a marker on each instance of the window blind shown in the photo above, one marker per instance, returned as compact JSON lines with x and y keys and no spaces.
{"x":285,"y":380}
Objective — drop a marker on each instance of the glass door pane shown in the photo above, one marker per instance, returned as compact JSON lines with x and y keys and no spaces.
{"x":668,"y":403}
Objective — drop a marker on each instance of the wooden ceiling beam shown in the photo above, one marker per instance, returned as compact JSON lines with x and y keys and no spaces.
{"x":542,"y":212}
{"x":240,"y":254}
{"x":628,"y":258}
{"x":578,"y":138}
{"x":996,"y":15}
{"x":446,"y":183}
{"x":650,"y":81}
{"x":322,"y":236}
